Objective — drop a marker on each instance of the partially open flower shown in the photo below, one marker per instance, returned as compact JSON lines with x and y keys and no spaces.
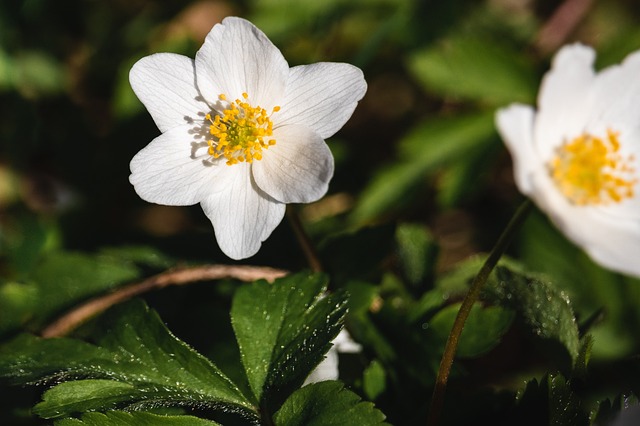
{"x":242,"y":133}
{"x":578,"y":155}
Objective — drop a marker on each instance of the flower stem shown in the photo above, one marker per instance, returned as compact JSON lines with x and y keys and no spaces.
{"x":304,"y":240}
{"x":437,"y":400}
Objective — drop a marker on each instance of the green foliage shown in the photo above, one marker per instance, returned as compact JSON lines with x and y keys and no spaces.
{"x":543,"y":310}
{"x":284,"y":330}
{"x":463,"y":65}
{"x":58,"y":279}
{"x":327,"y":404}
{"x":482,"y":331}
{"x":428,"y":147}
{"x":138,"y":363}
{"x":121,"y":418}
{"x":422,"y":186}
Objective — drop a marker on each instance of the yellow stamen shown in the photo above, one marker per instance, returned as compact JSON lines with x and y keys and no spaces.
{"x":239,"y":132}
{"x":589,"y":170}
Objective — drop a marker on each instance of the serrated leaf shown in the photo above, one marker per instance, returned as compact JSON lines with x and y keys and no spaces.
{"x":136,"y":362}
{"x":427,"y":147}
{"x":121,"y":418}
{"x":283,"y":330}
{"x":550,"y":401}
{"x":564,"y":404}
{"x":544,"y":310}
{"x":326,"y":404}
{"x":624,"y":407}
{"x":475,"y":68}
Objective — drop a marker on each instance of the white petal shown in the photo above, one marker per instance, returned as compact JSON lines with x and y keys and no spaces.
{"x":321,"y":96}
{"x":326,"y":370}
{"x":610,"y":241}
{"x":515,"y":125}
{"x":616,"y":96}
{"x":617,"y":245}
{"x":344,"y":343}
{"x":297,"y":169}
{"x":242,"y":215}
{"x":564,"y":98}
{"x":165,"y":84}
{"x":174,"y":169}
{"x":237,"y":57}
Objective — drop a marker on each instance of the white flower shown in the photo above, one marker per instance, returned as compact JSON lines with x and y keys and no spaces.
{"x":328,"y":368}
{"x":242,"y":133}
{"x":578,"y":155}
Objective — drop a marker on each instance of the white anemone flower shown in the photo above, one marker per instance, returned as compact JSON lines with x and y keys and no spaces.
{"x":328,"y":367}
{"x":577,"y":157}
{"x":242,"y":133}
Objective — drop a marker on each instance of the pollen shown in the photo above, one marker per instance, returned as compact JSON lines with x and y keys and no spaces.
{"x":590,"y":170}
{"x":241,"y":131}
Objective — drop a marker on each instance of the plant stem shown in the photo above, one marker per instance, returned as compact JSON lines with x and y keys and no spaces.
{"x":470,"y":298}
{"x":304,"y":240}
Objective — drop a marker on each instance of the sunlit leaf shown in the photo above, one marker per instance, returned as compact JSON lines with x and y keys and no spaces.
{"x":326,"y":404}
{"x":137,"y":362}
{"x":121,"y":418}
{"x":283,"y":330}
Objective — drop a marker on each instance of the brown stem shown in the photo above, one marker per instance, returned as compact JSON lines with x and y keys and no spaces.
{"x":304,"y":240}
{"x":437,"y":400}
{"x":72,"y":319}
{"x":561,"y":24}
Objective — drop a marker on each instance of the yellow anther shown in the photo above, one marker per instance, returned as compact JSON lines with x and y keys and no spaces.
{"x":239,"y":132}
{"x":589,"y":170}
{"x":222,"y":97}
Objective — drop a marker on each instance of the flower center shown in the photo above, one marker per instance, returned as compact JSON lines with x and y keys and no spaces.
{"x":240,"y":131}
{"x":589,"y":170}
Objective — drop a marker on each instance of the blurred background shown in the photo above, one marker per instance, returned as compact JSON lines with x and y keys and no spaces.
{"x":420,"y":153}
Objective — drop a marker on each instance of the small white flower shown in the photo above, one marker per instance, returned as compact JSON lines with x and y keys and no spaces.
{"x":328,"y":368}
{"x":242,"y":133}
{"x":578,"y":155}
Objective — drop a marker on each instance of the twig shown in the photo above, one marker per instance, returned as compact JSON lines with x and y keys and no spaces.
{"x":561,"y":24}
{"x":72,"y":319}
{"x":304,"y":240}
{"x":437,"y":400}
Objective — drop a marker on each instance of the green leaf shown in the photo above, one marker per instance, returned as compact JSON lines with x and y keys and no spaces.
{"x":426,"y":148}
{"x":374,"y":380}
{"x":475,"y":68}
{"x":326,"y":404}
{"x":545,"y":311}
{"x":121,"y":418}
{"x":564,"y":404}
{"x":417,"y":252}
{"x":607,"y":410}
{"x":482,"y":331}
{"x":283,"y":330}
{"x":138,"y":363}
